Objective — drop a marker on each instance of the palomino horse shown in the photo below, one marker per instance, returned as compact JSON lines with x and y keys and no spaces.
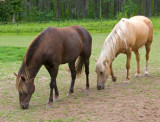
{"x":128,"y":35}
{"x":52,"y":47}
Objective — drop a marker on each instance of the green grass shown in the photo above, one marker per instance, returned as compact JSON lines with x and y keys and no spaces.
{"x":12,"y":54}
{"x":93,"y":26}
{"x":12,"y":50}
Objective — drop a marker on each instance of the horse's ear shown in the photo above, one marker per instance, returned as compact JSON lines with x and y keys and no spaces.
{"x":106,"y":61}
{"x":15,"y":74}
{"x":95,"y":59}
{"x":23,"y":78}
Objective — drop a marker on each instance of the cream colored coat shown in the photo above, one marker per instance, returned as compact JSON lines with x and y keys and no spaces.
{"x":128,"y":35}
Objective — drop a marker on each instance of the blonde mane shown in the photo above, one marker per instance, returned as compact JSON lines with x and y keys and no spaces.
{"x":111,"y":44}
{"x":20,"y":85}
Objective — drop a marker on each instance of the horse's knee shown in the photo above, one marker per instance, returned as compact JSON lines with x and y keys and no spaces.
{"x":128,"y":66}
{"x":147,"y":56}
{"x":87,"y":71}
{"x":52,"y":85}
{"x":74,"y":75}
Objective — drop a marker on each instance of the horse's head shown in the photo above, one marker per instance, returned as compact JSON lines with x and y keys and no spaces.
{"x":103,"y":71}
{"x":25,"y":87}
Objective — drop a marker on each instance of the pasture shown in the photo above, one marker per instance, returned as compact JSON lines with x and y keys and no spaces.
{"x":93,"y":26}
{"x":138,"y":101}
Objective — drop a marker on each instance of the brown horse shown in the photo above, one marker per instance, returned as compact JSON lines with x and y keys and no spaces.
{"x":52,"y":47}
{"x":128,"y":35}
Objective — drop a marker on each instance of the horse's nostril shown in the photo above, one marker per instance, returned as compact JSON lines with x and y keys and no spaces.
{"x":25,"y":106}
{"x":98,"y":87}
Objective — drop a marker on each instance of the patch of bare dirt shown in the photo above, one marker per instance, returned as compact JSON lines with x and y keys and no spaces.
{"x":138,"y":101}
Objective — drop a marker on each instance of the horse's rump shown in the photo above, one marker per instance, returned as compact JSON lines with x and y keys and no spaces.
{"x":142,"y":30}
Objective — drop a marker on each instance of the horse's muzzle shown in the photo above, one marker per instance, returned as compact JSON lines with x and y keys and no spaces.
{"x":99,"y":87}
{"x":25,"y":106}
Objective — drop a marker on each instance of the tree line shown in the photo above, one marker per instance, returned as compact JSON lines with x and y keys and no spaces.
{"x":48,"y":10}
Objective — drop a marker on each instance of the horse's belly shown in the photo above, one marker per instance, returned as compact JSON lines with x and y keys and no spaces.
{"x":69,"y":59}
{"x":139,"y":44}
{"x":141,"y":40}
{"x":71,"y":55}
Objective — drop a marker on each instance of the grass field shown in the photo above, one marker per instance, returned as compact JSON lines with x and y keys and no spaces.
{"x":93,"y":26}
{"x":139,"y":101}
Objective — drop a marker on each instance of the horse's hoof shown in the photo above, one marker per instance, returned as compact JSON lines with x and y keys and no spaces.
{"x":49,"y":106}
{"x":55,"y":100}
{"x":69,"y":95}
{"x":114,"y":79}
{"x":87,"y":91}
{"x":146,"y":74}
{"x":126,"y":84}
{"x":137,"y":75}
{"x":126,"y":81}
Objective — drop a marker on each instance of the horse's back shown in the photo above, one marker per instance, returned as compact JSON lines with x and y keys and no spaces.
{"x":142,"y":19}
{"x":143,"y":31}
{"x":69,"y":42}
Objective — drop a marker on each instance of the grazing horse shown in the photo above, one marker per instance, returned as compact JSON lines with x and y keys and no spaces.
{"x":128,"y":35}
{"x":52,"y":47}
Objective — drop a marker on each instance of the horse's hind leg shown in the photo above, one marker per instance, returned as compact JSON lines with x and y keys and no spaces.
{"x":138,"y":67}
{"x":73,"y":75}
{"x":86,"y":62}
{"x":148,"y":48}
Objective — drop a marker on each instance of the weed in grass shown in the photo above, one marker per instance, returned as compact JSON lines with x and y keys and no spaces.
{"x":88,"y":118}
{"x":65,"y":112}
{"x":79,"y":106}
{"x":2,"y":113}
{"x":69,"y":119}
{"x":57,"y":120}
{"x":77,"y":101}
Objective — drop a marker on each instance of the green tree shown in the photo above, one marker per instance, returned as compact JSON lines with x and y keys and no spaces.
{"x":131,"y":8}
{"x":10,"y":8}
{"x":4,"y":11}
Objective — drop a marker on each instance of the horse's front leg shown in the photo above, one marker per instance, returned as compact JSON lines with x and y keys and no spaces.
{"x":73,"y":75}
{"x":112,"y":74}
{"x":128,"y":64}
{"x":53,"y":85}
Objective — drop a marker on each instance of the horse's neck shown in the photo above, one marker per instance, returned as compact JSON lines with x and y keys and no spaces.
{"x":32,"y":70}
{"x":109,"y":51}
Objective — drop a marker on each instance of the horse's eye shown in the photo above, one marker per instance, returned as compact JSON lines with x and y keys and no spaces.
{"x":24,"y":94}
{"x":101,"y":73}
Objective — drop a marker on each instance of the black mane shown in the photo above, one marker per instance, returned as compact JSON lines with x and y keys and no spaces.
{"x":33,"y":47}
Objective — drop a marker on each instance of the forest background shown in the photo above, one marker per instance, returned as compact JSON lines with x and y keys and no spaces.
{"x":53,"y":10}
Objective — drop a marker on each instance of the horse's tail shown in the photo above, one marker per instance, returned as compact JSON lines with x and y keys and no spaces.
{"x":79,"y":65}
